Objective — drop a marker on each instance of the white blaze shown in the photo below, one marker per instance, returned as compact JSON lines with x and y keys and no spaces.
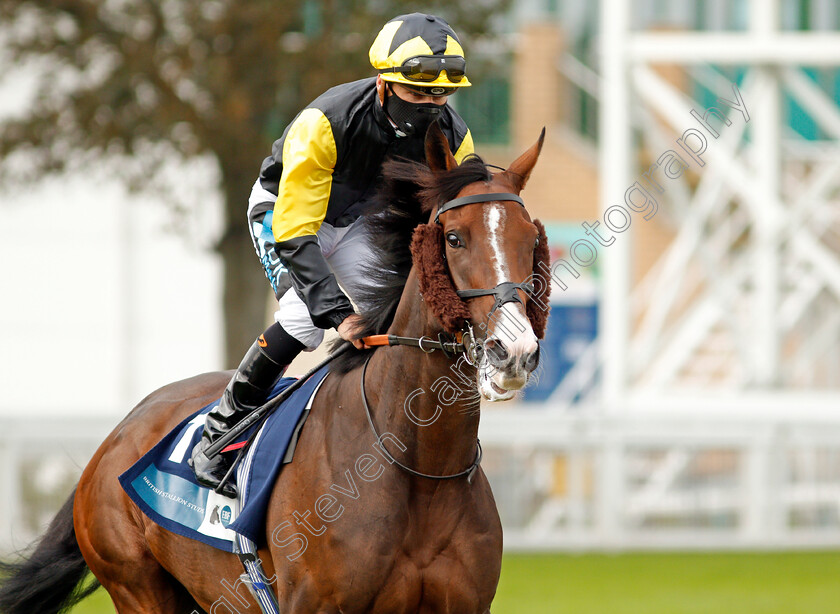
{"x":494,"y":218}
{"x":513,"y":328}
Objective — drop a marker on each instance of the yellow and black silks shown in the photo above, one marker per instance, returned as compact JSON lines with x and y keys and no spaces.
{"x":325,"y":168}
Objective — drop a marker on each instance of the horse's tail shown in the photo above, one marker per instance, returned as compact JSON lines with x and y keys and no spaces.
{"x":47,"y":581}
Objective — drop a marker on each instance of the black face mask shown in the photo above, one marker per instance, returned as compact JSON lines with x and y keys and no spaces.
{"x":412,"y":118}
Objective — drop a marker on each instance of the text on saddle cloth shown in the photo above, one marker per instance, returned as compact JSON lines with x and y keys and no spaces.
{"x":163,"y":485}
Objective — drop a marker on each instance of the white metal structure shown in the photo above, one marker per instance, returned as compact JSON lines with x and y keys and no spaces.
{"x":747,"y":296}
{"x":663,"y":481}
{"x":718,"y":423}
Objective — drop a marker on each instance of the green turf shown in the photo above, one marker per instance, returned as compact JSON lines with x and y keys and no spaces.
{"x":772,"y":583}
{"x":788,"y":583}
{"x":98,"y":603}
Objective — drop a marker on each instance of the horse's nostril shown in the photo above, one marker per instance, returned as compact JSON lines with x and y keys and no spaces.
{"x":497,"y":354}
{"x":531,"y":361}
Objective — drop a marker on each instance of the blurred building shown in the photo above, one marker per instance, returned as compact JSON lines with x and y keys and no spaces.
{"x":104,"y":300}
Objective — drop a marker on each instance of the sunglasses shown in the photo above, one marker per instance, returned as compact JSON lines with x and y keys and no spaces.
{"x":425,"y":68}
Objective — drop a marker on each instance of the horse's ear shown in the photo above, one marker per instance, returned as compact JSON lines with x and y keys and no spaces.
{"x":519,"y":171}
{"x":438,"y":156}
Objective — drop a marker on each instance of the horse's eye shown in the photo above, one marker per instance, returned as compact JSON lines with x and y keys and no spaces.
{"x":537,"y":242}
{"x":453,"y":240}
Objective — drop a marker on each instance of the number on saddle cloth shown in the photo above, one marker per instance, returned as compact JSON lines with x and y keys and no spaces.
{"x":164,"y":487}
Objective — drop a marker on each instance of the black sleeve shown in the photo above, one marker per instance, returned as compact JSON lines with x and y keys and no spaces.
{"x":314,"y":282}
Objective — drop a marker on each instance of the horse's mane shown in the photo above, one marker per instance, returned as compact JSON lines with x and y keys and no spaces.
{"x":409,"y":192}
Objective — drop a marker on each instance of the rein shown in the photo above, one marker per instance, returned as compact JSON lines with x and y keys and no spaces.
{"x":469,"y":471}
{"x":462,"y":342}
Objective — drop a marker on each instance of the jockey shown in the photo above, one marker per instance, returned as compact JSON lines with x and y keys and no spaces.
{"x":321,"y":176}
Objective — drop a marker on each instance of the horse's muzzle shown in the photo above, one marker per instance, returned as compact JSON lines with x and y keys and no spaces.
{"x":512,"y":365}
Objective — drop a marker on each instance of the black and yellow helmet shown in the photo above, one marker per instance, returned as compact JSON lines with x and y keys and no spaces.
{"x":419,"y":50}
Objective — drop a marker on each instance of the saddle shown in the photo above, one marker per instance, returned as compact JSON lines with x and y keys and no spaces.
{"x":164,"y":487}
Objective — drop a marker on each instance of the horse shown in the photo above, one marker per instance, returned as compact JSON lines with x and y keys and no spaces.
{"x":385,"y":508}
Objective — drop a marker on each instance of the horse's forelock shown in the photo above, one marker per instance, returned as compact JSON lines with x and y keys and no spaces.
{"x":440,"y":187}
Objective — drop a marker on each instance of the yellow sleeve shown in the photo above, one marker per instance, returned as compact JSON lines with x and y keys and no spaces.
{"x":466,"y":147}
{"x":309,"y":157}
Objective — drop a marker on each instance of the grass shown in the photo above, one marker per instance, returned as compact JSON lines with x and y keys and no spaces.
{"x":757,"y":583}
{"x":718,"y":583}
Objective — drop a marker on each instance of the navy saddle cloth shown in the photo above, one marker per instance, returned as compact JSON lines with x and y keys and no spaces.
{"x":163,"y":485}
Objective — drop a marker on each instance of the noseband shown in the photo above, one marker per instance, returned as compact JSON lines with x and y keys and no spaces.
{"x":505,"y":292}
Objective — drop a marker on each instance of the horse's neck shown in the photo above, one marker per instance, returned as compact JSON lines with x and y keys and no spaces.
{"x":411,"y":394}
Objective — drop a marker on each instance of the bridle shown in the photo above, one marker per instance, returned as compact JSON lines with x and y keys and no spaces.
{"x":475,"y":198}
{"x":505,"y":292}
{"x":462,"y":342}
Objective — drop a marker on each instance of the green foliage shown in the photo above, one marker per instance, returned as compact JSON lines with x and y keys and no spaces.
{"x":486,"y":108}
{"x":203,"y":76}
{"x":152,"y":82}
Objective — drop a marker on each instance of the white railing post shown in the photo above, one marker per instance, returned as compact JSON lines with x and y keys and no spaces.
{"x":615,"y":148}
{"x":10,"y":502}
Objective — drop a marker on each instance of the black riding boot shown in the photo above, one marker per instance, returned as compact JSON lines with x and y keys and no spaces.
{"x":248,"y":389}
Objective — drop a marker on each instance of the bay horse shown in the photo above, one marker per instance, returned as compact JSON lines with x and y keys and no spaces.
{"x":357,"y":523}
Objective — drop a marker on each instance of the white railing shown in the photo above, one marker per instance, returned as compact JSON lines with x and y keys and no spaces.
{"x":41,"y":459}
{"x":581,"y":478}
{"x":585,"y":479}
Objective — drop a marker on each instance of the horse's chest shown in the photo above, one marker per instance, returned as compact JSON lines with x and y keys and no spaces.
{"x":443,"y":571}
{"x":442,"y":586}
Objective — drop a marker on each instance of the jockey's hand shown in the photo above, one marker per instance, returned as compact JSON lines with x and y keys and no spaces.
{"x":349,"y":330}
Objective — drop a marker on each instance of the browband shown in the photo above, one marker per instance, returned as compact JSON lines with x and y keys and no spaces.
{"x":476,"y":198}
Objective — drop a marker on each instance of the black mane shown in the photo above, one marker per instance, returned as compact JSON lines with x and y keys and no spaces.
{"x":409,"y":192}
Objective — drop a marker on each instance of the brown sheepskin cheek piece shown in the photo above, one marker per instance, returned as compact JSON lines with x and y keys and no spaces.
{"x":538,"y":306}
{"x":435,"y":283}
